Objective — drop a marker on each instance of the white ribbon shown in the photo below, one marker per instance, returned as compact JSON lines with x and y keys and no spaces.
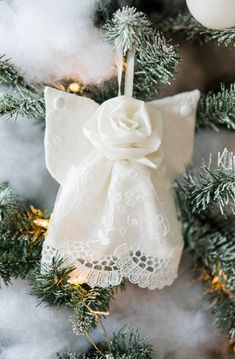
{"x":129,"y":78}
{"x":129,"y":75}
{"x":119,"y":69}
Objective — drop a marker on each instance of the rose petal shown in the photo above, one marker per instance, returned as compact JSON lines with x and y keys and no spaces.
{"x":139,"y":135}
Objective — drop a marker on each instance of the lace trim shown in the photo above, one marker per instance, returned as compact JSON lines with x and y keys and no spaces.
{"x":146,"y":271}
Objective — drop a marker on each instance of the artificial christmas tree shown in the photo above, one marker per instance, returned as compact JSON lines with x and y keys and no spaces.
{"x":205,"y":196}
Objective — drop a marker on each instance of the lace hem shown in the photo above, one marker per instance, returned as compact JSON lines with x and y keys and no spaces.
{"x":146,"y":271}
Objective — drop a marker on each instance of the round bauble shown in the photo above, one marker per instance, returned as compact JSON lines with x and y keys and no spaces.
{"x":214,"y":14}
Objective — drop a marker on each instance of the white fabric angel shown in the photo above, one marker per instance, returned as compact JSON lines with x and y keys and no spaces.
{"x":115,"y":214}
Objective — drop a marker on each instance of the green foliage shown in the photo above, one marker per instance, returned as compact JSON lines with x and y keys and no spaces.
{"x":203,"y":197}
{"x":9,"y":204}
{"x":131,"y":345}
{"x":103,"y":92}
{"x":194,"y":31}
{"x":52,"y":287}
{"x":214,"y":249}
{"x":217,"y":109}
{"x":156,"y":59}
{"x":206,"y":188}
{"x":125,"y":345}
{"x":126,"y":29}
{"x":18,"y":252}
{"x":87,"y":307}
{"x":9,"y":74}
{"x":50,"y":283}
{"x":23,"y":99}
{"x":22,"y":102}
{"x":156,"y":62}
{"x":223,"y":309}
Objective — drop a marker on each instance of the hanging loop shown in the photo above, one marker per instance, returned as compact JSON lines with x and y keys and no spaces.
{"x":129,"y":75}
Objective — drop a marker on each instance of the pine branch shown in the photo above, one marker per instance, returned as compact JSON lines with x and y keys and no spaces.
{"x":86,"y":308}
{"x":156,"y":62}
{"x":208,"y":188}
{"x":9,"y":204}
{"x":125,"y":30}
{"x":217,"y":109}
{"x":215,"y":253}
{"x":211,"y":236}
{"x":9,"y":74}
{"x":25,"y":99}
{"x":19,"y":249}
{"x":125,"y":344}
{"x":22,"y":102}
{"x":18,"y":255}
{"x":194,"y":31}
{"x":52,"y":286}
{"x":223,"y":309}
{"x":107,"y":90}
{"x":215,"y":248}
{"x":50,"y":283}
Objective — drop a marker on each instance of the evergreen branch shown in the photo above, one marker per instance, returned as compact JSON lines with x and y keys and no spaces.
{"x":206,"y":188}
{"x":217,"y":109}
{"x":9,"y":74}
{"x":211,"y":236}
{"x":19,"y":250}
{"x":52,"y":286}
{"x":22,"y":102}
{"x":102,"y":93}
{"x":86,"y":308}
{"x":50,"y":283}
{"x":215,"y":252}
{"x":125,"y":30}
{"x":157,"y":62}
{"x":125,"y":344}
{"x":9,"y":204}
{"x":194,"y":31}
{"x":213,"y":246}
{"x":223,"y":309}
{"x":25,"y":99}
{"x":18,"y":255}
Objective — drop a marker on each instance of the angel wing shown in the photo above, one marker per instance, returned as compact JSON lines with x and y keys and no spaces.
{"x":179,"y":115}
{"x":65,"y":144}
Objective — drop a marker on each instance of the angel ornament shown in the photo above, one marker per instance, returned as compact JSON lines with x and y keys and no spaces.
{"x":115,"y":215}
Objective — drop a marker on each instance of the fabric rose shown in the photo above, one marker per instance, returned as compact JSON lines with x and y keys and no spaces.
{"x":124,"y":128}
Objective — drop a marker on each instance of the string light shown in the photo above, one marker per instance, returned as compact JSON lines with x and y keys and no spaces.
{"x":39,"y":221}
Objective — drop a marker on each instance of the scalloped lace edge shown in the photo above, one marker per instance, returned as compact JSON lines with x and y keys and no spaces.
{"x":124,"y":267}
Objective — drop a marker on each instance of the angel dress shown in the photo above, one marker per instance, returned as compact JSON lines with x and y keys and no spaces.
{"x":115,"y":214}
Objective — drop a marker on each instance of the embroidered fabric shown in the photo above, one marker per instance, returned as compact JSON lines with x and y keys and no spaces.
{"x":115,"y":215}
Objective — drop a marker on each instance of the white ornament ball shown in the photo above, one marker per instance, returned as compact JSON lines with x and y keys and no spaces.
{"x":214,"y":14}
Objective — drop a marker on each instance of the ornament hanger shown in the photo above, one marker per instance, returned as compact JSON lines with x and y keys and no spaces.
{"x":129,"y":74}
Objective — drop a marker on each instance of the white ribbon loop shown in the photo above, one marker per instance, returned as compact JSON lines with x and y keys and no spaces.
{"x":119,"y":69}
{"x":129,"y":76}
